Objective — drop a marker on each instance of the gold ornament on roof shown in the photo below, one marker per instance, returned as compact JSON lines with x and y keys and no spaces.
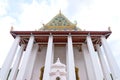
{"x":59,"y":11}
{"x":11,"y":29}
{"x":109,"y":28}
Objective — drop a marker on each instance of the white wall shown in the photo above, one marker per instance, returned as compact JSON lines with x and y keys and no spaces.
{"x":59,"y":51}
{"x":79,"y":63}
{"x":40,"y":60}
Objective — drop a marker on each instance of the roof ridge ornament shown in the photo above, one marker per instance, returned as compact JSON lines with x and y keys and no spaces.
{"x":12,"y":28}
{"x":60,"y":11}
{"x":109,"y":28}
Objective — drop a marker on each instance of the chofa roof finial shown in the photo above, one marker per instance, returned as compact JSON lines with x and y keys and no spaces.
{"x":60,"y":11}
{"x":11,"y":29}
{"x":109,"y":28}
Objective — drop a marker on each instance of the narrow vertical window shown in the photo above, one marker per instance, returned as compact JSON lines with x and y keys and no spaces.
{"x":57,"y":78}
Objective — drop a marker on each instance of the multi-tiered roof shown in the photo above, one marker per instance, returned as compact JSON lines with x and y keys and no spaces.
{"x":60,"y":27}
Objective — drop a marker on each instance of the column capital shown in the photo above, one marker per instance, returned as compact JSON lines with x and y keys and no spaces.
{"x":18,"y":35}
{"x":69,"y":34}
{"x":103,"y":37}
{"x":88,"y":34}
{"x":50,"y":34}
{"x":32,"y":35}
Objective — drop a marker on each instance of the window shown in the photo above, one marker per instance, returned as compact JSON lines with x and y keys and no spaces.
{"x":57,"y":78}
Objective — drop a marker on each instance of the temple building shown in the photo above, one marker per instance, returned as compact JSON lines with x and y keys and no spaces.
{"x":60,"y":50}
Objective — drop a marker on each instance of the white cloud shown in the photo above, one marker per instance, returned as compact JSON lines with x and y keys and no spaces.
{"x":6,"y":39}
{"x":99,"y":16}
{"x":7,"y":20}
{"x":5,"y":23}
{"x":35,"y":14}
{"x":32,"y":17}
{"x":2,"y":8}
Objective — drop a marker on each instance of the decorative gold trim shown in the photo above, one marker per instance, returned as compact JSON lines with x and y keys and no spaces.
{"x":76,"y":72}
{"x":41,"y":73}
{"x":109,"y":28}
{"x":59,"y":15}
{"x":60,"y":27}
{"x":11,"y":29}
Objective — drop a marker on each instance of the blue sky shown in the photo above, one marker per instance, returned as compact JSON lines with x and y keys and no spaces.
{"x":31,"y":14}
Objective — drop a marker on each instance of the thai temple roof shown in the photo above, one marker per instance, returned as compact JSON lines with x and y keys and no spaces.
{"x":60,"y":27}
{"x":60,"y":22}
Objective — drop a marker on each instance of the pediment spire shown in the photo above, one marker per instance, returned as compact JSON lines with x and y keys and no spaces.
{"x":60,"y":11}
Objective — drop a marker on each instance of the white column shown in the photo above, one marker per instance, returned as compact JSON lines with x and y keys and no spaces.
{"x":106,"y":72}
{"x":14,"y":70}
{"x":67,"y":61}
{"x":48,"y":60}
{"x":32,"y":61}
{"x":88,"y":62}
{"x":9,"y":59}
{"x":22,"y":71}
{"x":52,"y":53}
{"x":70,"y":60}
{"x":111,"y":60}
{"x":92,"y":52}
